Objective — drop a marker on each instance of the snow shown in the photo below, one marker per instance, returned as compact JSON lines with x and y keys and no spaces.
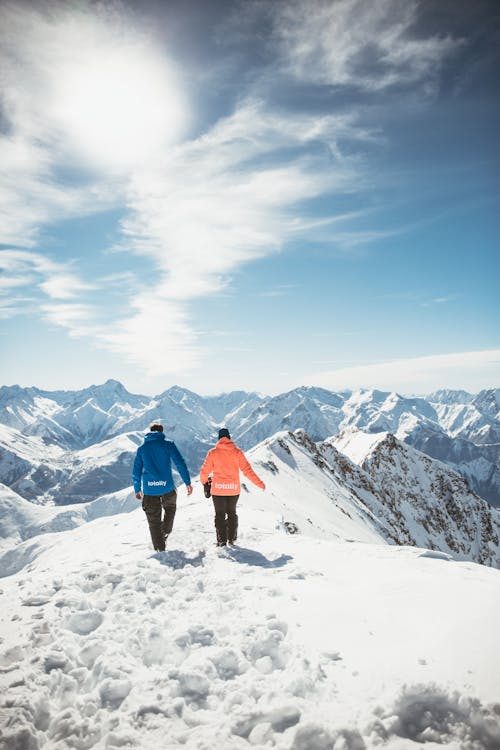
{"x":297,"y":642}
{"x":21,"y":520}
{"x":358,"y":445}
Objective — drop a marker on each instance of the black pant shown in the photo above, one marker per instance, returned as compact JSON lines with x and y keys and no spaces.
{"x":159,"y":528}
{"x":226,"y":520}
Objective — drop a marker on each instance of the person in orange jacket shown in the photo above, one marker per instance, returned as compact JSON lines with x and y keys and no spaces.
{"x":223,"y":464}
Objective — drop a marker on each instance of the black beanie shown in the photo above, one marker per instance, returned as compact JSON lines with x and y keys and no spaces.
{"x":224,"y":433}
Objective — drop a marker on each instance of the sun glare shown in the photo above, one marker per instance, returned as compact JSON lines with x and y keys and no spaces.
{"x":119,"y":109}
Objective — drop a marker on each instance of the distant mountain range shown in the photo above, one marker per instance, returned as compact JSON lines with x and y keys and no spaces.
{"x":73,"y":446}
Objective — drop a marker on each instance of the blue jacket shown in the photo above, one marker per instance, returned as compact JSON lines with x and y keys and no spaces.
{"x":152,"y":472}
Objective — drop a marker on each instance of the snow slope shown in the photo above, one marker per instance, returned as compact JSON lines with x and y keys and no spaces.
{"x":21,"y":520}
{"x":304,"y":642}
{"x":398,"y":494}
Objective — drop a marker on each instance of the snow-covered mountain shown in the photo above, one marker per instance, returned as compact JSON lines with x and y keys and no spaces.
{"x":43,"y":472}
{"x":44,"y":431}
{"x":423,"y":501}
{"x":374,"y":486}
{"x":330,"y":639}
{"x":71,"y":419}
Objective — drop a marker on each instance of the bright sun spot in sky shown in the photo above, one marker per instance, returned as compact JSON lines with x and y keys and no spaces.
{"x":119,"y":108}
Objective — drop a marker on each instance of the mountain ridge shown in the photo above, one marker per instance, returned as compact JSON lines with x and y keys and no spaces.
{"x":455,"y":430}
{"x":369,"y":488}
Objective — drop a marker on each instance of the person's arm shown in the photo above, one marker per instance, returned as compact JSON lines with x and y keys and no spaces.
{"x":247,"y":470}
{"x":207,"y":468}
{"x":181,"y":467}
{"x":137,"y":475}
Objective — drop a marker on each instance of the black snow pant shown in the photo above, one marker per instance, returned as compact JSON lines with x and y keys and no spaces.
{"x":226,"y":520}
{"x":160,"y":527}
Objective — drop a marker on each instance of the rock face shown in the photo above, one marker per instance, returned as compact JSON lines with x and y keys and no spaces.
{"x":425,"y":503}
{"x":380,"y":487}
{"x":43,"y":433}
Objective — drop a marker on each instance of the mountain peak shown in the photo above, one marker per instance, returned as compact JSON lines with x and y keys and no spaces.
{"x":450,"y":396}
{"x":110,"y":386}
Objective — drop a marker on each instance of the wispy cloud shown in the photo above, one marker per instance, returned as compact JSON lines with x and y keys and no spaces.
{"x":31,"y":197}
{"x":443,"y":300}
{"x":31,"y":270}
{"x":219,"y":201}
{"x":481,"y":369}
{"x":64,"y":286}
{"x":77,"y":318}
{"x":281,"y":290}
{"x":370,"y":45}
{"x":418,"y":297}
{"x":15,"y":305}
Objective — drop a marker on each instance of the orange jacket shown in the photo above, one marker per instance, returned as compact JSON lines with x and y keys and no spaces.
{"x":224,"y":463}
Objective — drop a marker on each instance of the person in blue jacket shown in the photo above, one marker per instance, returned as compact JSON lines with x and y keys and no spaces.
{"x":154,"y":484}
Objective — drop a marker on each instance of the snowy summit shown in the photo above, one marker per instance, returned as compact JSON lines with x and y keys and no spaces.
{"x":332,"y":638}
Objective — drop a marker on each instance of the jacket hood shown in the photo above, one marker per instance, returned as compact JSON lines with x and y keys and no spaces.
{"x":154,"y":436}
{"x":225,"y":442}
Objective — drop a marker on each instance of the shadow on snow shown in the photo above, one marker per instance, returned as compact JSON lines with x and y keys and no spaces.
{"x":252,"y":557}
{"x":176,"y":558}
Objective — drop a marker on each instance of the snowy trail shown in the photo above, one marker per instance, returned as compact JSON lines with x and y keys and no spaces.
{"x":286,"y":642}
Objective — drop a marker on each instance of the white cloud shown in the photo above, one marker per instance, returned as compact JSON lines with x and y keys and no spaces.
{"x":64,"y":286}
{"x":51,"y":127}
{"x":23,"y":268}
{"x":470,"y":370}
{"x":217,"y":202}
{"x":8,"y":283}
{"x":29,"y":195}
{"x":76,"y":317}
{"x":370,"y":45}
{"x":156,"y":336}
{"x":13,"y":306}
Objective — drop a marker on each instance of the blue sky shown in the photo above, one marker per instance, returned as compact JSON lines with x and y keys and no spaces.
{"x":250,"y":195}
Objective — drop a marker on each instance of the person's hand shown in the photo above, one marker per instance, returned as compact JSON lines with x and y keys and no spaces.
{"x":189,"y":488}
{"x":138,"y":495}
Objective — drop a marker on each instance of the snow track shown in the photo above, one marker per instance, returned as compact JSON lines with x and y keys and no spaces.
{"x":285,"y":642}
{"x":161,"y":648}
